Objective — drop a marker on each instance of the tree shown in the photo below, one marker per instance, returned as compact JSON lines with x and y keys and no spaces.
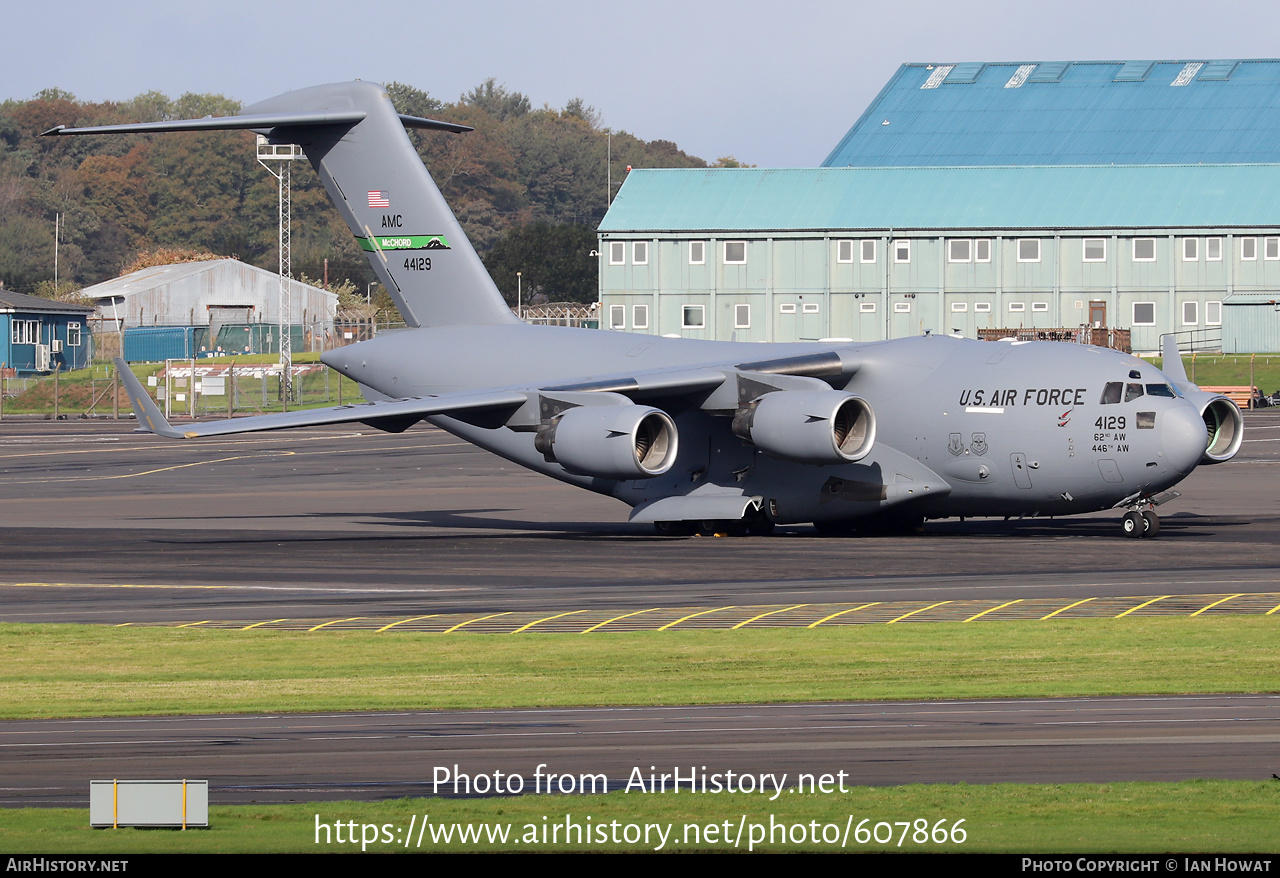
{"x":495,"y":100}
{"x":554,"y":261}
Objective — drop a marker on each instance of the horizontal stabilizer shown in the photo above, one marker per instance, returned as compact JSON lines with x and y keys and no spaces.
{"x":253,"y":122}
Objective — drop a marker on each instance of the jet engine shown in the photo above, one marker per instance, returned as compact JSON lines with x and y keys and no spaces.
{"x":816,"y":427}
{"x":611,"y":441}
{"x":1225,"y":428}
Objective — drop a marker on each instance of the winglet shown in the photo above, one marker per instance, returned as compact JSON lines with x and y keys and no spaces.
{"x":143,"y":406}
{"x":1171,"y":363}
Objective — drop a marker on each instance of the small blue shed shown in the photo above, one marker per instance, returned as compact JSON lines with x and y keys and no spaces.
{"x":41,"y":335}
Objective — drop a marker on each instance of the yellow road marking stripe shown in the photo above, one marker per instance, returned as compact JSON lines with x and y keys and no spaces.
{"x":691,"y":616}
{"x":547,"y":619}
{"x":1064,"y":609}
{"x":410,"y":619}
{"x":616,"y":618}
{"x":469,"y":621}
{"x":841,"y":613}
{"x":1214,"y":604}
{"x":913,"y":612}
{"x":762,"y":615}
{"x":194,"y":624}
{"x":334,"y":622}
{"x":1272,"y":610}
{"x":266,"y":622}
{"x":993,"y":609}
{"x":1140,"y":606}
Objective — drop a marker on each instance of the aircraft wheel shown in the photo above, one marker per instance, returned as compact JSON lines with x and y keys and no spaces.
{"x":1152,"y":524}
{"x":1133,"y":524}
{"x":674,"y":528}
{"x":760,"y":526}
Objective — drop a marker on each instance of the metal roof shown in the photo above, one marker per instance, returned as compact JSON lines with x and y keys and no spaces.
{"x":1054,"y":197}
{"x":1070,"y":113}
{"x":11,"y":301}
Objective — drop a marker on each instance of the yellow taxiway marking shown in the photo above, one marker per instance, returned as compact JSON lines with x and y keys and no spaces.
{"x":691,"y":616}
{"x":1140,"y":606}
{"x":616,"y":618}
{"x":913,"y":612}
{"x":1272,"y":610}
{"x":264,"y":622}
{"x":841,"y":613}
{"x":334,"y":622}
{"x":762,"y":615}
{"x":993,"y":609}
{"x":1214,"y":604}
{"x":402,"y":621}
{"x":194,"y":624}
{"x":1064,"y":609}
{"x":469,"y":621}
{"x":547,"y":619}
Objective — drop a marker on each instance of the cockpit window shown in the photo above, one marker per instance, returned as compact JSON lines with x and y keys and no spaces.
{"x":1132,"y":392}
{"x":1160,"y":390}
{"x":1111,"y":393}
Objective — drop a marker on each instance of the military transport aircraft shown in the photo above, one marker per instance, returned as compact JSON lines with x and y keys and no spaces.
{"x":728,"y":436}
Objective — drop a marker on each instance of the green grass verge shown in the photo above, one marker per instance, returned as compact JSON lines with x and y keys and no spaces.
{"x":85,"y":670}
{"x":1201,"y":816}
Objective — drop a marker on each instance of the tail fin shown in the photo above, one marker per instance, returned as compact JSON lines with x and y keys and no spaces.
{"x":1171,"y":363}
{"x":356,"y":141}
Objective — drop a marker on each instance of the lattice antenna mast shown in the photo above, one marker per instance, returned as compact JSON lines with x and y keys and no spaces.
{"x":282,"y":154}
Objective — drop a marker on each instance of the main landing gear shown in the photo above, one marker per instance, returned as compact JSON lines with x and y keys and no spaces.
{"x":1139,"y":523}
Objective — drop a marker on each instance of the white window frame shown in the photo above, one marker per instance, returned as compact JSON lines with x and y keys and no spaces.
{"x":617,"y":252}
{"x":25,"y":332}
{"x":866,"y":307}
{"x":617,"y":316}
{"x":1190,"y":249}
{"x":902,"y":251}
{"x":1042,"y":307}
{"x":1249,"y":244}
{"x":740,"y":322}
{"x":982,"y":307}
{"x":1022,"y":241}
{"x":1017,"y":307}
{"x":844,"y":251}
{"x":1271,"y":245}
{"x":73,"y":334}
{"x":639,"y":316}
{"x":965,"y":253}
{"x":1195,"y":313}
{"x":727,"y":245}
{"x":978,"y":247}
{"x":1084,"y":253}
{"x":1209,"y":309}
{"x":959,"y":306}
{"x":811,"y":308}
{"x":639,"y":252}
{"x":871,"y":243}
{"x":700,"y":248}
{"x":787,"y":308}
{"x":901,"y":307}
{"x":1209,"y":245}
{"x":1151,"y":258}
{"x":684,"y":317}
{"x":1134,"y":312}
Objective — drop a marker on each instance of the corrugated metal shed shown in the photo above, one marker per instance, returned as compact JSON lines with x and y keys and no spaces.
{"x":1251,"y":323}
{"x":196,"y":293}
{"x":1072,"y":113}
{"x":1094,"y":197}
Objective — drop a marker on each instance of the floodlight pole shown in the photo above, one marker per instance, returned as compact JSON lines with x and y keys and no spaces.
{"x":284,"y":153}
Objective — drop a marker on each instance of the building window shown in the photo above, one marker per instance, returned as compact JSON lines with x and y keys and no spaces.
{"x":1190,"y":249}
{"x":694,"y":317}
{"x":787,"y":308}
{"x":1039,"y":306}
{"x":1213,"y":313}
{"x":73,"y":335}
{"x":26,"y":332}
{"x":1190,"y":314}
{"x":1017,"y":306}
{"x":741,"y":316}
{"x":1144,"y":313}
{"x":617,"y":253}
{"x":1212,"y":249}
{"x":867,"y":307}
{"x":1144,"y":249}
{"x":844,"y":251}
{"x":1249,"y":249}
{"x":982,"y":250}
{"x":697,"y":252}
{"x":1028,"y":249}
{"x":617,"y":316}
{"x":811,"y":307}
{"x":959,"y":306}
{"x":901,"y":307}
{"x":1272,"y":248}
{"x":1095,"y":249}
{"x":869,"y":250}
{"x":959,"y":250}
{"x":983,"y":307}
{"x":902,"y":251}
{"x":639,"y":316}
{"x":735,"y":252}
{"x":640,"y":253}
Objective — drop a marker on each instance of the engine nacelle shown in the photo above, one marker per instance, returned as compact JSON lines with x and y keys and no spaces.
{"x":817,"y":427}
{"x":611,"y":441}
{"x":1224,"y":426}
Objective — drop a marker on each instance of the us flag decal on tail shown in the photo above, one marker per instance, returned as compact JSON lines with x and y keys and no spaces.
{"x":378,"y":198}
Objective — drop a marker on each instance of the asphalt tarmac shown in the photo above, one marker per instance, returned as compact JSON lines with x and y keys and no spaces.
{"x":334,"y":523}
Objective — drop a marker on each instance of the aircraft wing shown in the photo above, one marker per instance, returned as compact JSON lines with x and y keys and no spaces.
{"x":393,"y":415}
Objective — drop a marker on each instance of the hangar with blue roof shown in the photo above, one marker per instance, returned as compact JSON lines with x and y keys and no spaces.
{"x":969,"y":197}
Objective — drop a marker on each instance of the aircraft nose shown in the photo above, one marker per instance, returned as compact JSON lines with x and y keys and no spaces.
{"x":1184,"y":437}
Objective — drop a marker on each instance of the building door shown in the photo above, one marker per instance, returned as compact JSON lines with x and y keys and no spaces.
{"x":1098,"y":315}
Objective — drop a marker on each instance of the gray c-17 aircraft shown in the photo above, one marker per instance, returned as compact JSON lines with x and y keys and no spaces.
{"x":726,"y":436}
